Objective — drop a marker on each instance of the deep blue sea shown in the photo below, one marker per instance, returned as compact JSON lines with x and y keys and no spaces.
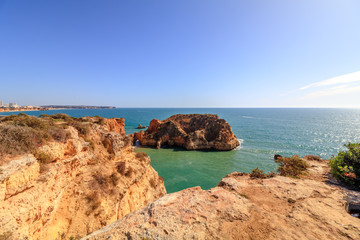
{"x":263,"y":133}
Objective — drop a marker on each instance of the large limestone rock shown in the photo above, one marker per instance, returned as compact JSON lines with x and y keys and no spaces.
{"x":190,"y":131}
{"x":88,"y":182}
{"x":116,"y":125}
{"x":244,"y":208}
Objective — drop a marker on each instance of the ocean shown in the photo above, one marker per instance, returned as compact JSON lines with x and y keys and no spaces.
{"x":262,"y":132}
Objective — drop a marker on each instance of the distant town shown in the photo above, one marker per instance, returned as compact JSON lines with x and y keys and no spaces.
{"x":13,"y":107}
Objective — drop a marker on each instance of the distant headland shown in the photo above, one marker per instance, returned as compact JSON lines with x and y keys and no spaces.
{"x":13,"y":107}
{"x":76,"y":107}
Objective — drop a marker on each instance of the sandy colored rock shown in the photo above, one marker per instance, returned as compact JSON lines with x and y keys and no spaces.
{"x":190,"y":131}
{"x":89,"y":182}
{"x":244,"y":208}
{"x":116,"y":125}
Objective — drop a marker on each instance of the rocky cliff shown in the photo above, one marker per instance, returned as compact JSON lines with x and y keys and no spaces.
{"x":241,"y":207}
{"x":190,"y":131}
{"x":74,"y":186}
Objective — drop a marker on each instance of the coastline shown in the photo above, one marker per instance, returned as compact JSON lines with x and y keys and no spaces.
{"x":22,"y":110}
{"x":45,"y":108}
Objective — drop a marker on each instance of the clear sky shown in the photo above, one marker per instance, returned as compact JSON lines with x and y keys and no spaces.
{"x":181,"y":53}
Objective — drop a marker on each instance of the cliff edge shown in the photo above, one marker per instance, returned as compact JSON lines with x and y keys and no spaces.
{"x":70,"y":177}
{"x":241,"y":207}
{"x":190,"y":131}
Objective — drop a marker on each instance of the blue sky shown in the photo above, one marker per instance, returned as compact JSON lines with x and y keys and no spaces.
{"x":188,"y":53}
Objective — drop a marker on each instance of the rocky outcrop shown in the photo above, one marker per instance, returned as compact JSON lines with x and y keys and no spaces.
{"x":244,"y":208}
{"x":140,"y":126}
{"x":116,"y":125}
{"x":190,"y":131}
{"x":77,"y":186}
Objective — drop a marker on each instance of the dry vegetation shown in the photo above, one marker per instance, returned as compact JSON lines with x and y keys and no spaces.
{"x":257,"y":173}
{"x":121,"y":167}
{"x":312,"y":158}
{"x":129,"y":172}
{"x":94,"y":200}
{"x":102,"y":185}
{"x":141,"y":155}
{"x":291,"y":166}
{"x":21,"y":134}
{"x":152,"y":183}
{"x":6,"y":236}
{"x":288,"y":166}
{"x":16,"y":140}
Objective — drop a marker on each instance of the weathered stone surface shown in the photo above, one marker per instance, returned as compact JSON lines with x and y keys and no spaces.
{"x":81,"y":190}
{"x":190,"y":131}
{"x":244,"y":208}
{"x":116,"y":125}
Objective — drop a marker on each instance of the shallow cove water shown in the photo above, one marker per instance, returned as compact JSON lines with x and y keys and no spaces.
{"x":264,"y":132}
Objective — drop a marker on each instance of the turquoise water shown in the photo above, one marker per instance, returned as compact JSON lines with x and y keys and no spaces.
{"x":263,"y":132}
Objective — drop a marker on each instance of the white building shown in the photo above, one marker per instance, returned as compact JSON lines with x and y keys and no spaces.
{"x":1,"y":103}
{"x":13,"y":105}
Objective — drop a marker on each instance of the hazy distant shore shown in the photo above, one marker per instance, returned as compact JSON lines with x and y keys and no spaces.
{"x":53,"y":107}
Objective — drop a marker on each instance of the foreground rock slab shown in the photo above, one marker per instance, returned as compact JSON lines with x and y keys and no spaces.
{"x":190,"y":131}
{"x":244,"y":208}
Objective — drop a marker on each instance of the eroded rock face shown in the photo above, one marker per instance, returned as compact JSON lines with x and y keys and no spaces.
{"x":244,"y":208}
{"x":89,"y":181}
{"x":116,"y":125}
{"x":190,"y":131}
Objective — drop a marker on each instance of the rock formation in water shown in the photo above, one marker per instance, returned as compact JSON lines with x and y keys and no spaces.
{"x":190,"y":131}
{"x":74,"y":186}
{"x":241,"y":207}
{"x":140,"y":126}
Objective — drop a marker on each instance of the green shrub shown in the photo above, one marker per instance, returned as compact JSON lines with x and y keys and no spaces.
{"x":291,"y":166}
{"x":346,"y":165}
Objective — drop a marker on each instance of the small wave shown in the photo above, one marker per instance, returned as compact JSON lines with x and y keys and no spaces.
{"x":247,"y":117}
{"x":240,"y":146}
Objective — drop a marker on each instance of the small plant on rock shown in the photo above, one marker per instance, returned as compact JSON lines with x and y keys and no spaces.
{"x":258,"y":173}
{"x":345,"y":167}
{"x":141,"y":155}
{"x":291,"y":166}
{"x":312,"y":158}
